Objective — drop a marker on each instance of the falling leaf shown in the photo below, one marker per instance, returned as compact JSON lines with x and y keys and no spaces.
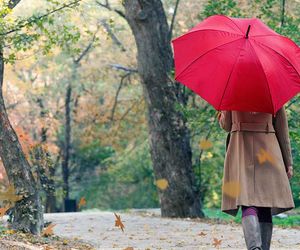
{"x":3,"y":210}
{"x":231,"y":188}
{"x":217,"y":242}
{"x":10,"y":195}
{"x":82,"y":202}
{"x":205,"y":144}
{"x":118,"y":222}
{"x":162,"y":183}
{"x":202,"y":234}
{"x":265,"y":156}
{"x":48,"y":230}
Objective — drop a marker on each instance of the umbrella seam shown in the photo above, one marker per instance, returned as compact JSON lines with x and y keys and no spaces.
{"x":205,"y":54}
{"x":264,"y":74}
{"x":190,"y":32}
{"x":230,"y":76}
{"x":232,"y":22}
{"x":280,"y":55}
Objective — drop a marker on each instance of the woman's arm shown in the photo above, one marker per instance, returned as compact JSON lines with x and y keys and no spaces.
{"x":225,"y":120}
{"x":282,"y":133}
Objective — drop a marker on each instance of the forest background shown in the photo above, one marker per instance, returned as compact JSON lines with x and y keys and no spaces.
{"x":83,"y":85}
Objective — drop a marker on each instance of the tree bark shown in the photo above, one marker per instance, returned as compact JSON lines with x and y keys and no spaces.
{"x":27,"y":214}
{"x":168,"y":135}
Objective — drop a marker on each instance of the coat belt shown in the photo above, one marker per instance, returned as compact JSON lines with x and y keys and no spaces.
{"x":253,"y":126}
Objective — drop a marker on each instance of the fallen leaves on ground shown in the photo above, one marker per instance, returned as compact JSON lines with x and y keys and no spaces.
{"x":14,"y":239}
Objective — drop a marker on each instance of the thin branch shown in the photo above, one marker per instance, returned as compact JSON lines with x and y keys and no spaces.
{"x":130,"y":108}
{"x":282,"y":13}
{"x":117,"y":94}
{"x":86,"y":50}
{"x":173,"y":20}
{"x":13,"y":3}
{"x":112,"y":35}
{"x":120,"y":67}
{"x":40,"y":17}
{"x":106,"y":5}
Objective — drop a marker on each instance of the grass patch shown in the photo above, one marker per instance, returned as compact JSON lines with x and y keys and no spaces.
{"x":293,"y":219}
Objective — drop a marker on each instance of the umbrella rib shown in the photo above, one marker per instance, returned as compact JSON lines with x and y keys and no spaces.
{"x":264,"y":74}
{"x":278,"y":54}
{"x":205,"y":54}
{"x":230,"y":77}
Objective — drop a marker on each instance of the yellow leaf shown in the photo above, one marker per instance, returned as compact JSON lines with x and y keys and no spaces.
{"x":264,"y":156}
{"x":205,"y":144}
{"x":162,"y":183}
{"x":231,"y":188}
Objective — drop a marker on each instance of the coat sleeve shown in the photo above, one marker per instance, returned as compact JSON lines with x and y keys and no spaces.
{"x":282,"y":133}
{"x":225,"y":120}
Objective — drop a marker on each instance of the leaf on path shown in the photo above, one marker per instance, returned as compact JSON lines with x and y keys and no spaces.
{"x":48,"y":230}
{"x":162,"y":183}
{"x":118,"y":222}
{"x":202,"y":234}
{"x":3,"y":210}
{"x":82,"y":202}
{"x":217,"y":242}
{"x":128,"y":248}
{"x":205,"y":144}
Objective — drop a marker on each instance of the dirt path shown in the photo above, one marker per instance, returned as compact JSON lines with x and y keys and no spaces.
{"x":144,"y":229}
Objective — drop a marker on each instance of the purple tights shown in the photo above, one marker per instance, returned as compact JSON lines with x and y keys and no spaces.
{"x":263,"y":213}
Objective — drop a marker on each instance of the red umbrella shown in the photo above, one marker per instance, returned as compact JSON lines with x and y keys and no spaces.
{"x":238,"y":64}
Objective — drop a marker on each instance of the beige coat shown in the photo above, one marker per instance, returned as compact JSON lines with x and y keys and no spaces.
{"x":256,"y":161}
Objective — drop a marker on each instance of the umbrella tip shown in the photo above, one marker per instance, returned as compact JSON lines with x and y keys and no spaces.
{"x":248,"y":31}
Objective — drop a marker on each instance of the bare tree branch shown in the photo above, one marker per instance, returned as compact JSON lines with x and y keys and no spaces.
{"x":107,"y":6}
{"x":112,"y":35}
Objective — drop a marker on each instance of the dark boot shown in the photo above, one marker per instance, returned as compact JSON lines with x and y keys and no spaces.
{"x":266,"y":229}
{"x":251,"y":230}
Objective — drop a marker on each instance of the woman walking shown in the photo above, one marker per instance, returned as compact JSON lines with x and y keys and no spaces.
{"x":257,"y":167}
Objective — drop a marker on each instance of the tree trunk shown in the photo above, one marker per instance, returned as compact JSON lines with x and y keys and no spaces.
{"x":50,"y":204}
{"x":168,"y":135}
{"x":27,"y":214}
{"x":67,"y":142}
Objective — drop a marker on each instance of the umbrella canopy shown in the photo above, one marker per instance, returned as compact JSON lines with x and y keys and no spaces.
{"x":238,"y":64}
